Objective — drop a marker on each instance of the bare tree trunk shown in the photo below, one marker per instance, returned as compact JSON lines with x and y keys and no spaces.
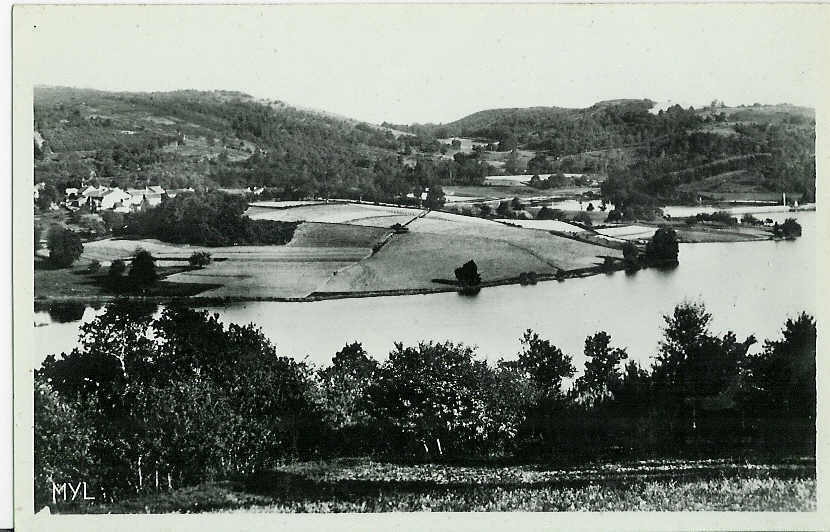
{"x":169,"y":482}
{"x":157,"y":479}
{"x":139,"y":472}
{"x":440,"y":451}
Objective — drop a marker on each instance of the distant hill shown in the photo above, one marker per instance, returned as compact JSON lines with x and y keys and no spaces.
{"x":198,"y":138}
{"x":230,"y":139}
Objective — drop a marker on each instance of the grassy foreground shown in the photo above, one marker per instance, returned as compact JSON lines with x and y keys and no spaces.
{"x":361,"y":485}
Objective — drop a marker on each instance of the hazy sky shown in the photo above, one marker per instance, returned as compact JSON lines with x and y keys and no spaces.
{"x":407,"y":63}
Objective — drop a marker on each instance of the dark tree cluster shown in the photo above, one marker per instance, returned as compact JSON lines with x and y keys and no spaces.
{"x":198,"y":400}
{"x":211,"y":218}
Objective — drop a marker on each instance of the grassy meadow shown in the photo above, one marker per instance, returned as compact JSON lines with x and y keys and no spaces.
{"x":363,"y":485}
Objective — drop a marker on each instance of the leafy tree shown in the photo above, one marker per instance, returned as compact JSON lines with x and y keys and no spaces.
{"x":663,"y":247}
{"x":545,"y":364}
{"x":516,"y":204}
{"x":783,"y":375}
{"x":345,"y":385}
{"x":435,"y":197}
{"x":143,"y":268}
{"x":65,"y":246}
{"x":467,"y":274}
{"x":435,"y":396}
{"x":691,"y":362}
{"x":602,"y":374}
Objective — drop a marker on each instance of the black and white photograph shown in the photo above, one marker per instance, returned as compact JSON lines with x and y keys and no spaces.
{"x":419,"y":258}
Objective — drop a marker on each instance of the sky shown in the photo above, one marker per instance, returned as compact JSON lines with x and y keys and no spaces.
{"x":436,"y":63}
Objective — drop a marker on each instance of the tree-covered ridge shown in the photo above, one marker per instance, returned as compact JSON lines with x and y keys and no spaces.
{"x":227,"y":139}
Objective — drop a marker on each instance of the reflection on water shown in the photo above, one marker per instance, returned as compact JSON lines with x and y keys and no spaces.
{"x":749,"y":287}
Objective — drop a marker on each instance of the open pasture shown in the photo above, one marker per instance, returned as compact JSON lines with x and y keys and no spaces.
{"x":440,"y":242}
{"x":629,"y":232}
{"x":332,"y":213}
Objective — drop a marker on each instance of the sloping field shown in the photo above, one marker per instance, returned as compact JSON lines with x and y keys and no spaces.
{"x":562,"y":253}
{"x":255,"y":278}
{"x":629,"y":232}
{"x":318,"y":234}
{"x":440,"y":242}
{"x":315,"y":254}
{"x":332,"y":213}
{"x":411,"y":261}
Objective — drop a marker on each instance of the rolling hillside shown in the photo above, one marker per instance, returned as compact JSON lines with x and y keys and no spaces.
{"x":229,"y":139}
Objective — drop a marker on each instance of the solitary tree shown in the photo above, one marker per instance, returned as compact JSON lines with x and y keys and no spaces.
{"x":65,"y":246}
{"x":467,"y":274}
{"x":143,"y":268}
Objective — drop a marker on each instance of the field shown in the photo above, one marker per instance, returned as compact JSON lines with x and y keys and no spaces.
{"x":336,"y":213}
{"x":361,"y":485}
{"x":440,"y":242}
{"x":346,"y":248}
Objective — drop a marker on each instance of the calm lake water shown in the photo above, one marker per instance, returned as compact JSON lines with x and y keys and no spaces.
{"x":749,"y":287}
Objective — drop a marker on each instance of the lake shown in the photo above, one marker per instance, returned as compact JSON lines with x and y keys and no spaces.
{"x":749,"y":287}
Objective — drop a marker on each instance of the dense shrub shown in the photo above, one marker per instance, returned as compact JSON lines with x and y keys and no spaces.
{"x":199,"y":259}
{"x":65,"y":246}
{"x":789,"y":229}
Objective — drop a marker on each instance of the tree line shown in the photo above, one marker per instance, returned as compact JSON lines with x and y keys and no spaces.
{"x":153,"y":401}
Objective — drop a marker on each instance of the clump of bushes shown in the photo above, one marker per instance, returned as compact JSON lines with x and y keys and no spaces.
{"x":789,"y":229}
{"x":199,"y":259}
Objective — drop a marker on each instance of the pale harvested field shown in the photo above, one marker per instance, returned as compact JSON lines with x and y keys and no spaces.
{"x":629,"y":232}
{"x":256,"y":278}
{"x":332,"y":213}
